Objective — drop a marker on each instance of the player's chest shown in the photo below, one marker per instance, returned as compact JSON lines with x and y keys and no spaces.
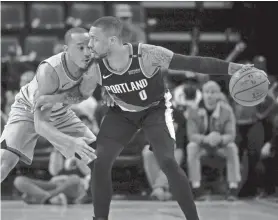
{"x":130,"y":81}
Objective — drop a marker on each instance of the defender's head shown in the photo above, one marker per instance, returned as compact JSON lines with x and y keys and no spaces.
{"x":76,"y":45}
{"x":105,"y":35}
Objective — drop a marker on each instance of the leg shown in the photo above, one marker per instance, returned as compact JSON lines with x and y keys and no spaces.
{"x":18,"y":141}
{"x":233,"y":167}
{"x":36,"y":189}
{"x":194,"y":164}
{"x":150,"y":165}
{"x":159,"y":129}
{"x":161,"y":180}
{"x":230,"y":152}
{"x":255,"y":138}
{"x":161,"y":183}
{"x":115,"y":132}
{"x":8,"y":162}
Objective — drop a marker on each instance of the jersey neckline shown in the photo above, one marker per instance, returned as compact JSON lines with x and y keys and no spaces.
{"x":67,"y":70}
{"x":106,"y":64}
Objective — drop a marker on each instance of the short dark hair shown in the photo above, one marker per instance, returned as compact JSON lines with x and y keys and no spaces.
{"x":111,"y":24}
{"x":75,"y":30}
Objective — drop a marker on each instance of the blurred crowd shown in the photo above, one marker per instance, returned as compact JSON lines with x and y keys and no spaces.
{"x":224,"y":147}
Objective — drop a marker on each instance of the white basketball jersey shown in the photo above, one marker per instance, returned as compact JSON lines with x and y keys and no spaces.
{"x":66,"y":81}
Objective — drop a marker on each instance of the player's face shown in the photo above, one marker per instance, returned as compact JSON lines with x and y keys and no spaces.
{"x":78,"y":49}
{"x":100,"y":43}
{"x":211,"y":97}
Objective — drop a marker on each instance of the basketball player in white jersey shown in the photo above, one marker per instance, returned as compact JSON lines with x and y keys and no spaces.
{"x":57,"y":123}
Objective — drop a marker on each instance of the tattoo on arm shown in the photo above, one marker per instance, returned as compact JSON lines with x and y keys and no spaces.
{"x":158,"y":56}
{"x":73,"y":96}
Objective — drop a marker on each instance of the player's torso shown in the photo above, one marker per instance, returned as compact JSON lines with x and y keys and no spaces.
{"x":133,"y":89}
{"x":66,"y":81}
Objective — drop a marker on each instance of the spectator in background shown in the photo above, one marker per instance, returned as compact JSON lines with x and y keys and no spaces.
{"x":68,"y":185}
{"x":58,"y":48}
{"x":131,"y":32}
{"x":269,"y":162}
{"x":26,"y":77}
{"x":211,"y":130}
{"x":253,"y":130}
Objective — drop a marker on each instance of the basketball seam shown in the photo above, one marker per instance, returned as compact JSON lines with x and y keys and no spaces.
{"x":248,"y":89}
{"x":240,"y":79}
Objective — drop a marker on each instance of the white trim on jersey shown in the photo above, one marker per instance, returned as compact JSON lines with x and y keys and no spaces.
{"x":168,"y":115}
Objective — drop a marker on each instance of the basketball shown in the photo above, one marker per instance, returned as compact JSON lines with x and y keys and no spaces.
{"x":249,"y":86}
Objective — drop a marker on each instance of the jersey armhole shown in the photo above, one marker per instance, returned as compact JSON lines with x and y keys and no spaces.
{"x":140,"y":59}
{"x":44,"y":62}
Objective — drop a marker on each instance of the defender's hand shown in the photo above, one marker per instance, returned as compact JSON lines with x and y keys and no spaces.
{"x":83,"y":151}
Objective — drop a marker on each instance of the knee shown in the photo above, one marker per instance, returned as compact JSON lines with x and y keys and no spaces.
{"x":191,"y":149}
{"x":146,"y":153}
{"x":168,"y":163}
{"x":8,"y":160}
{"x":19,"y":181}
{"x":232,"y":149}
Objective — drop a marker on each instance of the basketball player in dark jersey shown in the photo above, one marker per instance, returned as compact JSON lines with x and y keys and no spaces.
{"x":132,"y":76}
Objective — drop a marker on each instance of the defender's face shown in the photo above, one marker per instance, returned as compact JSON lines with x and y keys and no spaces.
{"x":79,"y":51}
{"x":99,"y":42}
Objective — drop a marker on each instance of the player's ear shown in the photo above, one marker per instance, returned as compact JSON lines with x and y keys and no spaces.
{"x":65,"y":47}
{"x":113,"y":40}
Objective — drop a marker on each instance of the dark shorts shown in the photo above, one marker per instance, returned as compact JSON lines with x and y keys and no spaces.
{"x":118,"y":126}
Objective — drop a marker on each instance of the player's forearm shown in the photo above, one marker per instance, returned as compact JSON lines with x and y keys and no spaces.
{"x":53,"y":135}
{"x":206,"y":65}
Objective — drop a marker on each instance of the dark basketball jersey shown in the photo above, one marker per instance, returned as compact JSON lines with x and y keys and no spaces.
{"x":132,"y":89}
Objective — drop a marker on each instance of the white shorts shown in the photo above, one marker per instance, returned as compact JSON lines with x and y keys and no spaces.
{"x":21,"y":137}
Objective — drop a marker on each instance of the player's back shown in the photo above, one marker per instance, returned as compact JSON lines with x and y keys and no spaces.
{"x":25,"y":98}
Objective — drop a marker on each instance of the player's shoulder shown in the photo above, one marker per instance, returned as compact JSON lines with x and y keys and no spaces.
{"x":151,"y":47}
{"x":55,"y":60}
{"x":46,"y":72}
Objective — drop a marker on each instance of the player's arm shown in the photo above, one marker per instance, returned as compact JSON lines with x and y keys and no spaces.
{"x":162,"y":57}
{"x":48,"y":83}
{"x":76,"y":94}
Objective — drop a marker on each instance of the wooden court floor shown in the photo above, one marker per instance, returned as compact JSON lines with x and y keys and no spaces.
{"x":142,"y":210}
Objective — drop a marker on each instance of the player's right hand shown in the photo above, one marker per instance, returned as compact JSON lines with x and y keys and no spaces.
{"x":83,"y":151}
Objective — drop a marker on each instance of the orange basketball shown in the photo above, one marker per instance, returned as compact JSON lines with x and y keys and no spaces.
{"x":249,"y":86}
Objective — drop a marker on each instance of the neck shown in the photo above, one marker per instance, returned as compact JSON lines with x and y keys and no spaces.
{"x":119,"y":57}
{"x":72,"y":67}
{"x":117,"y":53}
